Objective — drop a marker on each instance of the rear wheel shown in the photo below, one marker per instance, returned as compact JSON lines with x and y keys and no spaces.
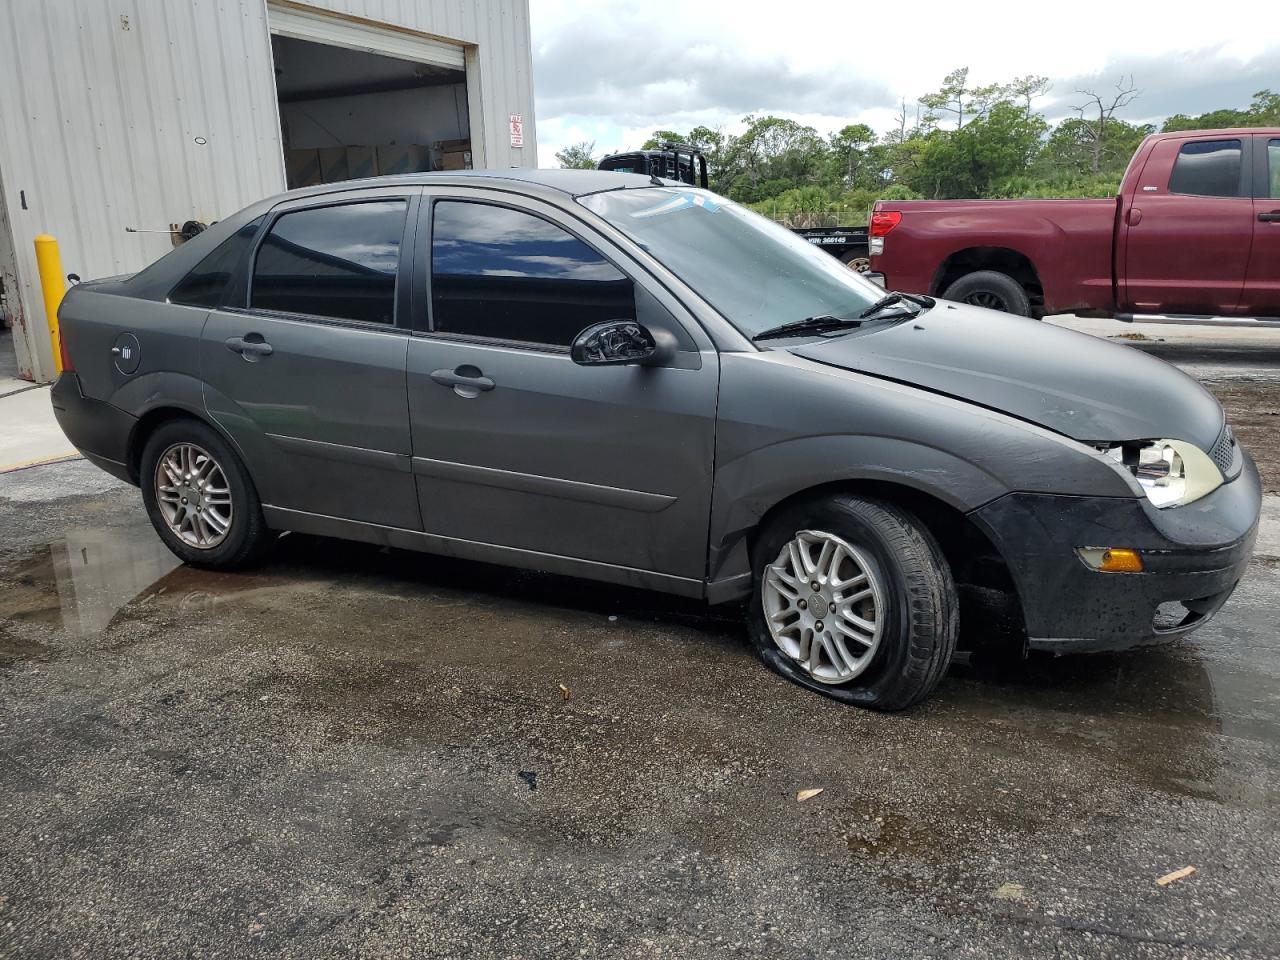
{"x":857,"y":261}
{"x":990,"y":289}
{"x":200,"y":498}
{"x":854,"y":599}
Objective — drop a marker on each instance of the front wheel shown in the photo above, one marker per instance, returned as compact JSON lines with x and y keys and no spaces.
{"x":200,"y":497}
{"x":854,"y":599}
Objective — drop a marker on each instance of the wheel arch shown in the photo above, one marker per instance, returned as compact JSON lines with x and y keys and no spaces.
{"x":1002,"y":259}
{"x":152,"y":420}
{"x":978,"y":566}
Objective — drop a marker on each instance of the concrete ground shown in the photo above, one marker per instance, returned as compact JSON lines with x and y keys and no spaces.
{"x":359,"y":752}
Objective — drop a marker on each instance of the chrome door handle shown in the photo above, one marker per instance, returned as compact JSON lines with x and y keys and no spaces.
{"x":467,"y":381}
{"x":248,"y":348}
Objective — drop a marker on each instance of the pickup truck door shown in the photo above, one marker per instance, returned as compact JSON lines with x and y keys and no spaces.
{"x":1262,"y":286}
{"x":1188,"y":228}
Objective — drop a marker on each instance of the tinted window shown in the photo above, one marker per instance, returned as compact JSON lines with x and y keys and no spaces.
{"x":1210,"y":168}
{"x":204,"y":285}
{"x":332,"y":262}
{"x":500,"y":273}
{"x":1273,"y":166}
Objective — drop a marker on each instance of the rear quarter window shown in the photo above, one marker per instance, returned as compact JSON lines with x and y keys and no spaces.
{"x":205,"y":285}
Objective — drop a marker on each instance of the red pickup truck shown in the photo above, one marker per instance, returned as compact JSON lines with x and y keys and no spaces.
{"x":1193,"y":236}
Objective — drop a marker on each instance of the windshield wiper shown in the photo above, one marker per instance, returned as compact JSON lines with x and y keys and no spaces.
{"x":889,"y":300}
{"x":808,"y":325}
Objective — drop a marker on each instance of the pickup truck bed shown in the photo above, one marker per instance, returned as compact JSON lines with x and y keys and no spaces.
{"x":1194,"y":232}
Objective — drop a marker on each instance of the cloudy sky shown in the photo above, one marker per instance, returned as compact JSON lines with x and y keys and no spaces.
{"x":613,"y":71}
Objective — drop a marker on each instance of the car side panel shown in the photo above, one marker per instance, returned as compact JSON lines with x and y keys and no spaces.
{"x":783,"y":429}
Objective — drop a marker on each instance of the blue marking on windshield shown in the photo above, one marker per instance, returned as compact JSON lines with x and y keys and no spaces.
{"x":681,"y":201}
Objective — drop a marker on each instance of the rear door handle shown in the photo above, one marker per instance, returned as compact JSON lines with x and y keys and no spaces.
{"x":467,"y":381}
{"x":247,"y":348}
{"x":1272,"y":217}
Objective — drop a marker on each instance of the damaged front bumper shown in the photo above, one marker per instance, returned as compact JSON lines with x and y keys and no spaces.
{"x":1192,"y":558}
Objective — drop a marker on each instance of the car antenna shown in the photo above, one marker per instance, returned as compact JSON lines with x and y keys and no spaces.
{"x":653,"y":179}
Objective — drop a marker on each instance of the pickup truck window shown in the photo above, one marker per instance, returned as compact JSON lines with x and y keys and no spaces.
{"x":1208,"y":168}
{"x":1273,"y":167}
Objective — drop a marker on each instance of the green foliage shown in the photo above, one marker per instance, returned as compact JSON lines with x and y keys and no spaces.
{"x":964,"y":141}
{"x":578,"y":156}
{"x":1264,"y":111}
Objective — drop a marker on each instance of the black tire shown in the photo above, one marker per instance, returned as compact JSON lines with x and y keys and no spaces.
{"x":921,"y":619}
{"x":990,"y":289}
{"x":248,"y":537}
{"x":856,"y":259}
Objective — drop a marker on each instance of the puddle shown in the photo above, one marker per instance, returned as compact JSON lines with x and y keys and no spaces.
{"x":80,"y":582}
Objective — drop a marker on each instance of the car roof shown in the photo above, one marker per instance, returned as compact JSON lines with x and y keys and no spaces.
{"x":573,"y":183}
{"x":1223,"y":132}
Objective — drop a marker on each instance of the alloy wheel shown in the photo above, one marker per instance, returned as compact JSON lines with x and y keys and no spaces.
{"x":824,"y":604}
{"x":193,"y":495}
{"x":985,"y":298}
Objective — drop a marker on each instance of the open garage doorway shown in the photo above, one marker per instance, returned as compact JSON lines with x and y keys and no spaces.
{"x":364,"y":103}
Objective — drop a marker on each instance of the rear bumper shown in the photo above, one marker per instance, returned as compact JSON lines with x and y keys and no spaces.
{"x":97,"y":429}
{"x":1192,"y":557}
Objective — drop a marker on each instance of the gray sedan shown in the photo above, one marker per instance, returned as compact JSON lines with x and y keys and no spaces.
{"x":629,"y":380}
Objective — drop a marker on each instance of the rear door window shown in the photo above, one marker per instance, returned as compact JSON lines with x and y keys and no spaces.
{"x":337,"y":261}
{"x":1208,"y":168}
{"x":205,"y":285}
{"x":508,"y":275}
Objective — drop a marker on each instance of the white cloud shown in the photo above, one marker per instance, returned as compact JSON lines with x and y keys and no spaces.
{"x":612,"y":73}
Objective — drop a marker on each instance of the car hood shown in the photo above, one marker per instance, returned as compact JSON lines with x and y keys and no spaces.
{"x":1072,"y":383}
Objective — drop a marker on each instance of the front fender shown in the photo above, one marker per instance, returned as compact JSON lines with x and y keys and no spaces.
{"x":749,"y":487}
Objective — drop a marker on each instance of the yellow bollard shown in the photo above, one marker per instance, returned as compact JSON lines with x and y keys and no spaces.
{"x":54,"y":287}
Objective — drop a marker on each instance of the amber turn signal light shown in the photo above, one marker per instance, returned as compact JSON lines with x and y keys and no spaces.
{"x":1112,"y":559}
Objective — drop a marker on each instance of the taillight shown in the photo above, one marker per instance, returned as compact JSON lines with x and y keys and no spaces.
{"x":882,"y":221}
{"x":63,"y":355}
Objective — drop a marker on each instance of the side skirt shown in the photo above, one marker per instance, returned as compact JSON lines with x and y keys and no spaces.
{"x":279,"y":518}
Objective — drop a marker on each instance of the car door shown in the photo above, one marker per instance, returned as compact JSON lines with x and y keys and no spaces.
{"x":1262,"y":286}
{"x":304,"y":365}
{"x":516,"y":445}
{"x":1189,"y":228}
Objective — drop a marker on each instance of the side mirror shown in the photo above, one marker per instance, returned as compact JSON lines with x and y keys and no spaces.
{"x":621,"y":341}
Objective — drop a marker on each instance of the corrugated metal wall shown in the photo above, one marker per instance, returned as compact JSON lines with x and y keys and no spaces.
{"x":103,"y":104}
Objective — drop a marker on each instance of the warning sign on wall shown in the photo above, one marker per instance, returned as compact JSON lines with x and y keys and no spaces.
{"x":517,"y":129}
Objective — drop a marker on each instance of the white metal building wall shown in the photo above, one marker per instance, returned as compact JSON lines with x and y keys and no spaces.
{"x":103,"y":104}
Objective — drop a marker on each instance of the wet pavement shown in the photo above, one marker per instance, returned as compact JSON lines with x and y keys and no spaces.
{"x":354,"y":751}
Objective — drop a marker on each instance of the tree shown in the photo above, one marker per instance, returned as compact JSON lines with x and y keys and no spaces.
{"x":1105,"y":107}
{"x":578,"y":156}
{"x":949,"y":98}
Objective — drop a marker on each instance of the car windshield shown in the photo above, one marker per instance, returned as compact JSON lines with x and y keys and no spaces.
{"x":754,"y":272}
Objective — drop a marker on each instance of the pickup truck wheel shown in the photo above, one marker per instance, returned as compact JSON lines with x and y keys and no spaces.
{"x":990,"y":289}
{"x":853,"y":599}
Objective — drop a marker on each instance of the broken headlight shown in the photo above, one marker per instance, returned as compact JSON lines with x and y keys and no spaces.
{"x":1170,"y":472}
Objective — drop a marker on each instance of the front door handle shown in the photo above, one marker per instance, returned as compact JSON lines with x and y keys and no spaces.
{"x":249,"y":346}
{"x":1133,"y":217}
{"x":1272,"y":217}
{"x":467,"y":381}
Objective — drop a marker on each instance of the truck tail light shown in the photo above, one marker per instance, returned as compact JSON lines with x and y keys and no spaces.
{"x":882,"y":221}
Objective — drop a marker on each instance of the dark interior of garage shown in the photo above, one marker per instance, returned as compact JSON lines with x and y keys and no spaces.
{"x":348,"y":114}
